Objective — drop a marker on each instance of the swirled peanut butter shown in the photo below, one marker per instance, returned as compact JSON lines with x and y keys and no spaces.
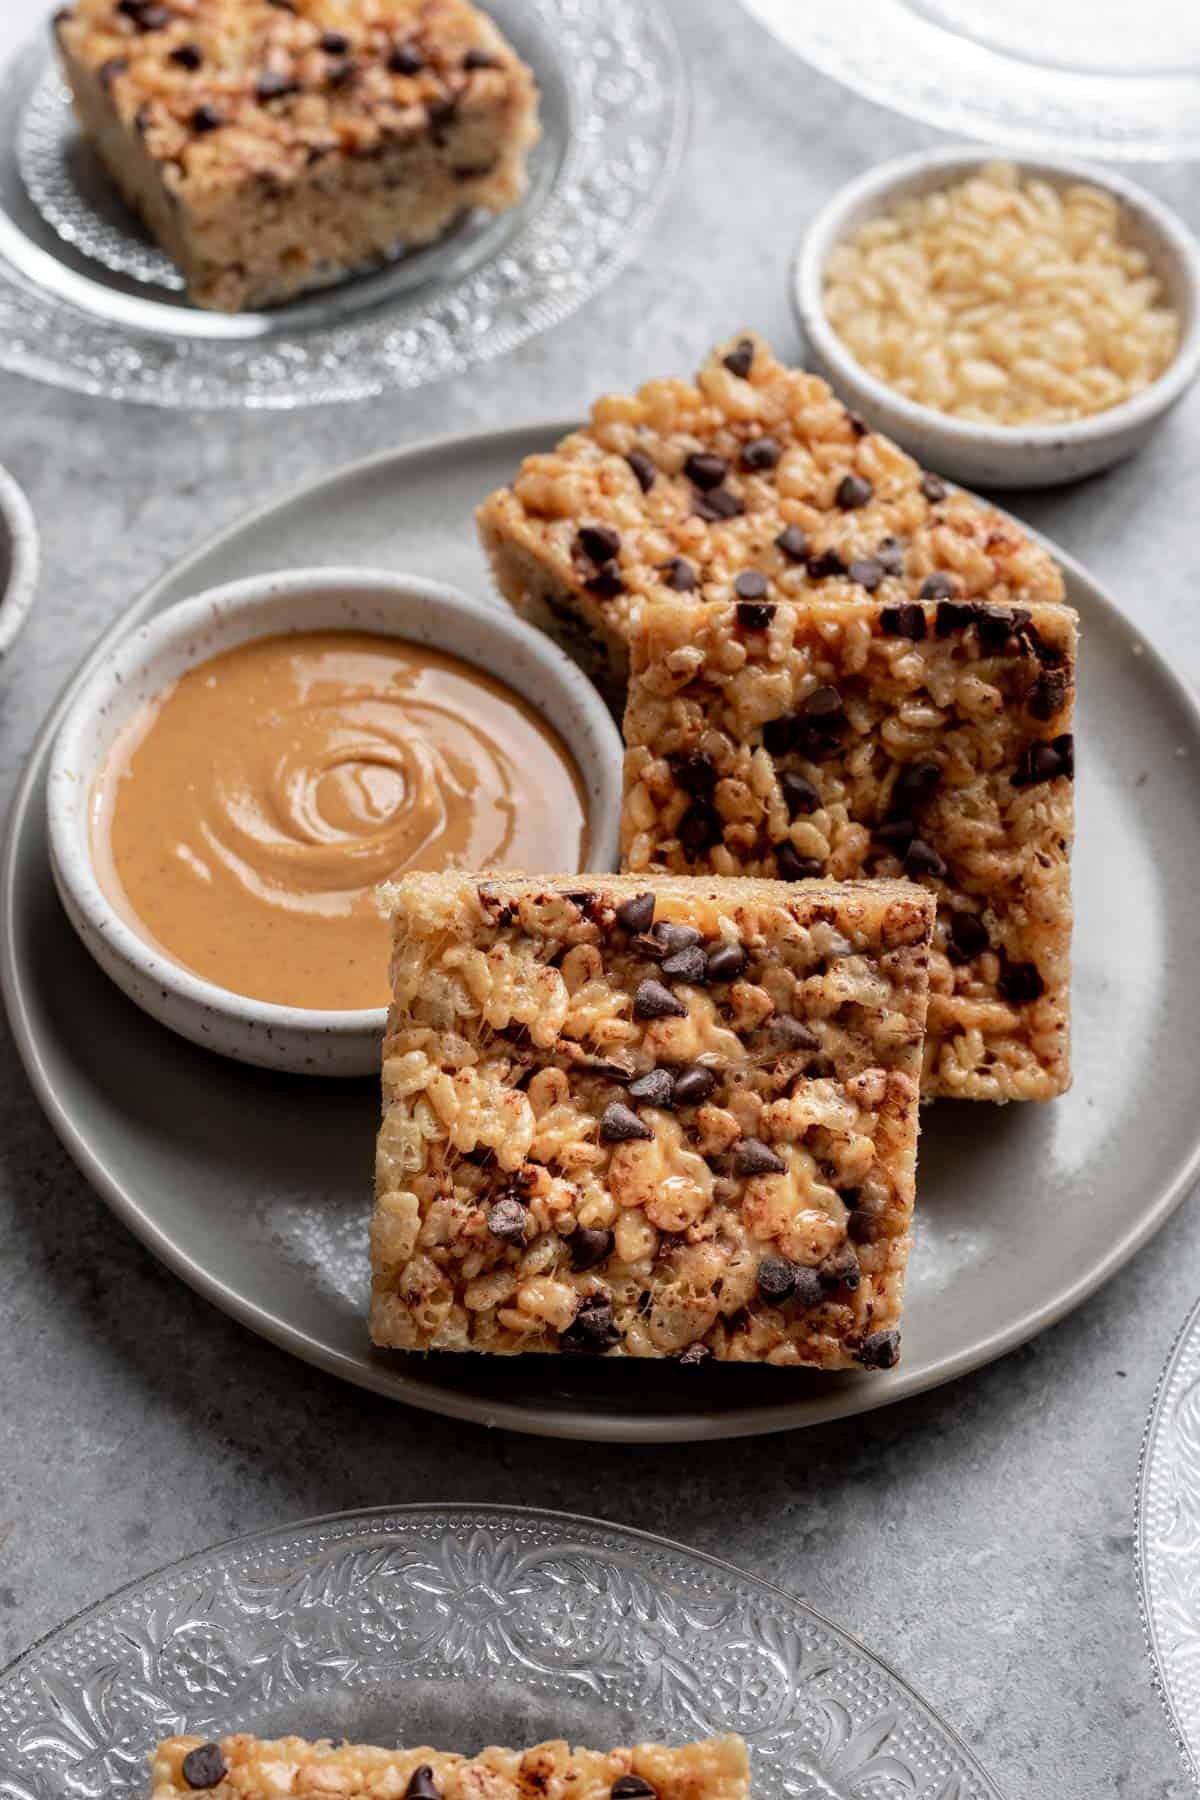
{"x":245,"y":817}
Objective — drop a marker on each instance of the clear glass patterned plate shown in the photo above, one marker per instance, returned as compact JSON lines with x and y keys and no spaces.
{"x":1095,"y":77}
{"x":460,"y":1627}
{"x":88,"y":301}
{"x":1167,"y":1539}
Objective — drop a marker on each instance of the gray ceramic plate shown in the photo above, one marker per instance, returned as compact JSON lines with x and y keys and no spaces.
{"x":461,"y":1627}
{"x":255,"y":1188}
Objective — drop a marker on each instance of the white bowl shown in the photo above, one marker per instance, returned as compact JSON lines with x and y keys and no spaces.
{"x":301,"y":1039}
{"x":1000,"y":455}
{"x":18,"y":560}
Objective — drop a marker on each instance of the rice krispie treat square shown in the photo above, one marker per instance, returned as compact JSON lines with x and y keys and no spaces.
{"x":753,"y":471}
{"x":241,"y":1767}
{"x":273,"y":145}
{"x":840,"y":738}
{"x":653,"y":1118}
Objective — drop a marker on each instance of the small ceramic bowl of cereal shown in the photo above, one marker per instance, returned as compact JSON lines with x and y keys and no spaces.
{"x":1011,"y":324}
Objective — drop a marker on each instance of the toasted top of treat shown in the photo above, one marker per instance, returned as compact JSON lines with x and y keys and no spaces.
{"x":222,"y":92}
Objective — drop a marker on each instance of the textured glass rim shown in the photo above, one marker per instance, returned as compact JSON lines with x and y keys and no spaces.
{"x":538,"y":312}
{"x":546,"y":1516}
{"x":1151,"y":1440}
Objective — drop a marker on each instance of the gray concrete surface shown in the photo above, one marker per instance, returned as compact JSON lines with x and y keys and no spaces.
{"x":980,"y":1537}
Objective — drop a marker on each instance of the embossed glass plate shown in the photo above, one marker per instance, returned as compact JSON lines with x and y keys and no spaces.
{"x":1167,"y":1539}
{"x":1077,"y":75}
{"x":88,"y":301}
{"x":459,"y":1627}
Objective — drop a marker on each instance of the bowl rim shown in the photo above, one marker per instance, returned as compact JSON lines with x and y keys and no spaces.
{"x":888,"y":178}
{"x":25,"y":558}
{"x":74,"y":869}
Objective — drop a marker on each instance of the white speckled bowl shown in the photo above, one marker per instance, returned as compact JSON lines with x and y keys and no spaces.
{"x":1000,"y":456}
{"x":158,"y":653}
{"x":18,"y":560}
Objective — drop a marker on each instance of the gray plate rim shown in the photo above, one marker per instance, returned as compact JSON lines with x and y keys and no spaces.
{"x":560,"y":1421}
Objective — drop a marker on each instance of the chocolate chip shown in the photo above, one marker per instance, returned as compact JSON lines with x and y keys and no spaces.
{"x":421,"y":1785}
{"x":968,"y":933}
{"x":880,"y":1351}
{"x":753,"y":1157}
{"x":694,"y":1085}
{"x":606,"y":583}
{"x":335,"y":43}
{"x":933,"y":488}
{"x":777,"y":735}
{"x":678,"y":574}
{"x":599,"y":543}
{"x":206,"y":118}
{"x":740,"y":361}
{"x":694,"y":771}
{"x":906,"y":621}
{"x":654,"y":1001}
{"x":717,"y":505}
{"x":867,"y":572}
{"x":857,"y":423}
{"x":1019,"y":983}
{"x":619,"y":1123}
{"x":913,"y":786}
{"x":751,"y":584}
{"x":1045,"y":762}
{"x":633,"y":1787}
{"x":780,"y":1280}
{"x":938,"y":586}
{"x":794,"y":543}
{"x":655,"y":1088}
{"x":829,"y":562}
{"x":480,"y":59}
{"x":954,"y":615}
{"x":145,"y":16}
{"x":861,"y":1225}
{"x":672,"y":937}
{"x":791,"y":866}
{"x":686,"y":965}
{"x":507,"y":1220}
{"x":593,"y":1328}
{"x":791,"y":1033}
{"x":922,"y":859}
{"x":698,"y":830}
{"x":636,"y":914}
{"x":405,"y":59}
{"x":896,"y":834}
{"x":823,"y":709}
{"x":799,"y":796}
{"x":998,"y":624}
{"x":695,"y":1353}
{"x":755,"y":615}
{"x":108,"y":71}
{"x":840,"y":1269}
{"x":761,"y":453}
{"x":274,"y":87}
{"x":853,"y":491}
{"x":204,"y":1767}
{"x":726,"y":963}
{"x":188,"y":56}
{"x":1048,"y":693}
{"x":589,"y":1247}
{"x":440,"y":113}
{"x":643,"y":468}
{"x":705,"y":471}
{"x":890,"y":556}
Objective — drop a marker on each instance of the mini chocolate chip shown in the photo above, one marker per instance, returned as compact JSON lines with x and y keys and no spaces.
{"x":913,"y":786}
{"x":274,"y":87}
{"x":799,"y":796}
{"x":791,"y":866}
{"x":695,"y":1353}
{"x":822,"y":709}
{"x":633,"y":1787}
{"x":853,"y":491}
{"x":997,"y":624}
{"x":755,"y":615}
{"x":480,"y":59}
{"x":606,"y":583}
{"x":857,"y":423}
{"x":860,"y":1226}
{"x":108,"y":71}
{"x":776,"y":1279}
{"x":1019,"y":983}
{"x":655,"y":1088}
{"x":598,"y":542}
{"x":896,"y":834}
{"x":694,"y":1085}
{"x":593,"y":1328}
{"x":954,"y":615}
{"x":421,"y":1785}
{"x":440,"y":113}
{"x":753,"y":1157}
{"x":694,"y":771}
{"x":726,"y":963}
{"x":791,"y":1033}
{"x":840,"y":1269}
{"x":671,"y":937}
{"x":643,"y":469}
{"x":761,"y":453}
{"x":206,"y":118}
{"x":793,"y":541}
{"x":968,"y":933}
{"x":342,"y":74}
{"x":705,"y":471}
{"x":335,"y":43}
{"x":922,"y":859}
{"x":890,"y":556}
{"x":1048,"y":693}
{"x":938,"y":586}
{"x":619,"y":1123}
{"x":867,"y":572}
{"x":678,"y":574}
{"x":906,"y":621}
{"x":589,"y":1247}
{"x":933,"y":488}
{"x":751,"y":584}
{"x":507,"y":1220}
{"x":777,"y":734}
{"x":881,"y":1350}
{"x":148,"y":18}
{"x":740,"y":361}
{"x":636,"y":914}
{"x":654,"y":1001}
{"x":204,"y":1767}
{"x":188,"y":56}
{"x":717,"y":504}
{"x":698,"y":830}
{"x":1045,"y":762}
{"x":405,"y":59}
{"x":686,"y":965}
{"x":829,"y":562}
